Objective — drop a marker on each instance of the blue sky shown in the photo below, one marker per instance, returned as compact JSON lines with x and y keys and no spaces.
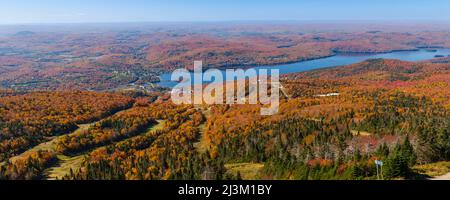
{"x":78,"y":11}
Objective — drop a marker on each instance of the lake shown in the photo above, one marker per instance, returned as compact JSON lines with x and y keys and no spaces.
{"x":335,"y":61}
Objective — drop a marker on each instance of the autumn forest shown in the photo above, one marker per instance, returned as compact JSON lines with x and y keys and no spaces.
{"x":79,"y":104}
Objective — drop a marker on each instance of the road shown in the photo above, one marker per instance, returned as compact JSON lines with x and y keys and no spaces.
{"x":440,"y":178}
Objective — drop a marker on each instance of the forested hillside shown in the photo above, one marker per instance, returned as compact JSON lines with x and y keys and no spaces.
{"x":28,"y":119}
{"x":335,"y":123}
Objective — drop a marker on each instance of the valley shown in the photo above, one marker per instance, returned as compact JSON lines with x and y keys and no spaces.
{"x":74,"y":57}
{"x":83,"y":105}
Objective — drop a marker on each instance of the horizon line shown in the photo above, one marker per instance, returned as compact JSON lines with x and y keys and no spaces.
{"x":235,"y":21}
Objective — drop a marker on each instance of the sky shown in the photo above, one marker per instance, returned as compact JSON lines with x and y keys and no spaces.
{"x":91,"y":11}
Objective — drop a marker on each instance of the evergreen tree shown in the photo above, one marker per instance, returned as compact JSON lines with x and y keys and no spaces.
{"x":397,"y":164}
{"x":383,"y":150}
{"x":407,"y":151}
{"x":426,"y":146}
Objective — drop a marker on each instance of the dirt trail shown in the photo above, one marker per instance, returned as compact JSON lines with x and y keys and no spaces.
{"x":67,"y":164}
{"x":51,"y":145}
{"x":202,"y":145}
{"x":440,"y":178}
{"x":64,"y":167}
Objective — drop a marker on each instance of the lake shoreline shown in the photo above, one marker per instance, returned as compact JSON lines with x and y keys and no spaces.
{"x":329,"y":61}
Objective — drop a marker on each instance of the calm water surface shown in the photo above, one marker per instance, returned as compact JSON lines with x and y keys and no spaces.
{"x":338,"y":60}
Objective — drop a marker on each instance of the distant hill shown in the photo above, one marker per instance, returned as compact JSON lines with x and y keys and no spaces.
{"x":25,"y":33}
{"x":377,"y":69}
